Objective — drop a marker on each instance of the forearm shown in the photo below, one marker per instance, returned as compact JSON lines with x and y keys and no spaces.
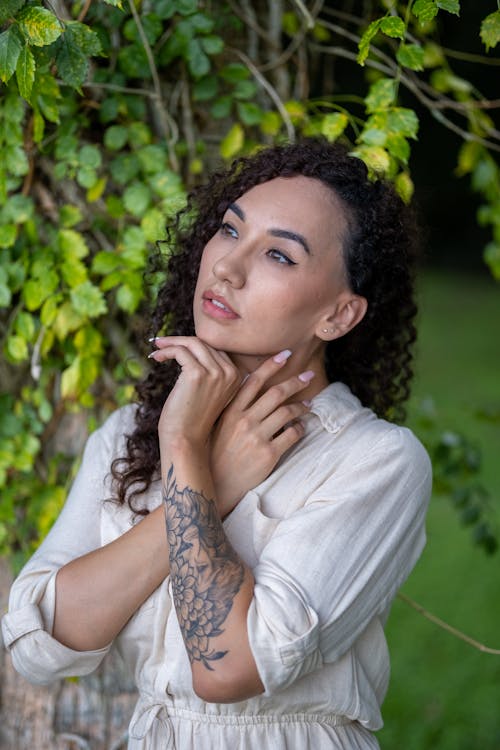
{"x":211,"y":585}
{"x":98,"y":593}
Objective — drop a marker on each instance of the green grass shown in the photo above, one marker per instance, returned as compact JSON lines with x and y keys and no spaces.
{"x":445,"y":695}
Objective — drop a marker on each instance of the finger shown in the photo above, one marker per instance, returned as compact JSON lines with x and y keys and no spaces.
{"x":255,"y":381}
{"x":278,"y":394}
{"x":288,"y":438}
{"x":281,"y":418}
{"x":213,"y":360}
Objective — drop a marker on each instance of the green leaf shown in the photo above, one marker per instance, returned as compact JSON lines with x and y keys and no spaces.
{"x":452,"y":6}
{"x":134,"y":247}
{"x":25,"y":72}
{"x":137,"y":198}
{"x":87,"y":300}
{"x":411,"y":56}
{"x":213,"y":45}
{"x":25,"y":325}
{"x":365,"y":41}
{"x":84,"y":37}
{"x":8,"y":234}
{"x":403,"y":121}
{"x":72,"y":62}
{"x":398,"y":146}
{"x":17,"y":348}
{"x":105,"y":262}
{"x":333,"y":125}
{"x":197,"y":60}
{"x":381,"y":95}
{"x":9,"y":8}
{"x":69,"y":216}
{"x":72,"y":244}
{"x":90,"y":156}
{"x":86,"y":177}
{"x":425,"y":10}
{"x":492,"y":258}
{"x":221,"y":107}
{"x":206,"y":88}
{"x":124,"y":168}
{"x":39,"y":26}
{"x":36,"y":291}
{"x":393,"y":26}
{"x":490,"y":30}
{"x":153,"y":225}
{"x":234,"y":72}
{"x":10,"y":49}
{"x":18,"y":209}
{"x":128,"y":297}
{"x":115,"y":137}
{"x":114,"y":3}
{"x":249,"y":113}
{"x":152,"y":158}
{"x":233,"y":142}
{"x":244,"y":90}
{"x":374,"y":137}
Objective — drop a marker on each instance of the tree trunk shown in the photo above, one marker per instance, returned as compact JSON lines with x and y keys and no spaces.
{"x":88,"y":713}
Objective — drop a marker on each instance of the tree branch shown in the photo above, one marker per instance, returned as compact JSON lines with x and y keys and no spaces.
{"x":273,"y":94}
{"x":449,"y":628}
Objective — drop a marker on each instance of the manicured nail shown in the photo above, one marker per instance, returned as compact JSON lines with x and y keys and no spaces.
{"x":152,"y":355}
{"x":282,"y":356}
{"x":307,"y":403}
{"x":306,"y":376}
{"x":153,"y":338}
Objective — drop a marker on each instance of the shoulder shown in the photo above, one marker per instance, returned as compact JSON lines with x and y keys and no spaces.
{"x":112,"y":434}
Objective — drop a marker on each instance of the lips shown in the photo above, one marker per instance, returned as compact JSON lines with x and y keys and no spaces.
{"x":217,"y":306}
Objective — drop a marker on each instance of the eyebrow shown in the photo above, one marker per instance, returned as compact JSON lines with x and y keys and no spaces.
{"x":284,"y":233}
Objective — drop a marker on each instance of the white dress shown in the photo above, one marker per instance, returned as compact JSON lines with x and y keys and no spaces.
{"x":330,"y":536}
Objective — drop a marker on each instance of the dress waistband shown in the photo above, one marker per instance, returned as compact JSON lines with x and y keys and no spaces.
{"x":152,"y":713}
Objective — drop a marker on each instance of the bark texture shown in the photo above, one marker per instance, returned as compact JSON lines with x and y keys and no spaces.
{"x":88,"y":713}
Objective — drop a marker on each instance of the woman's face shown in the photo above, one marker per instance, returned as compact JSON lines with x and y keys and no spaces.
{"x":273,"y":273}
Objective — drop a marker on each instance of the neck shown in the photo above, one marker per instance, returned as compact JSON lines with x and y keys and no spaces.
{"x":298,"y":362}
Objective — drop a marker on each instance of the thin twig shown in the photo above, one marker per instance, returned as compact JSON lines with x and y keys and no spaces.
{"x":84,"y":10}
{"x":273,"y":94}
{"x":449,"y":628}
{"x":164,"y":116}
{"x":307,"y":16}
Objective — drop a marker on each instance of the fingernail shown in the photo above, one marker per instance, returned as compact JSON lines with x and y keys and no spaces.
{"x":152,"y":355}
{"x":153,"y":338}
{"x":306,"y":376}
{"x":307,"y":403}
{"x":282,"y":356}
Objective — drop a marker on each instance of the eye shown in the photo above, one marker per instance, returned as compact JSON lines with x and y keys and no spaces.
{"x":228,"y":230}
{"x":280,"y":257}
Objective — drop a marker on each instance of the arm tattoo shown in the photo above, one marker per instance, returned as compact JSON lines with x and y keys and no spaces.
{"x":205,"y":571}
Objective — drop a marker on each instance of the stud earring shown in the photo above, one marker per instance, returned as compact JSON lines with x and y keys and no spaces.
{"x":328,"y":330}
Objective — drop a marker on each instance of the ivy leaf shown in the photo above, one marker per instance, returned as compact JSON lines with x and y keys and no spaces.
{"x":249,"y":113}
{"x":425,"y":10}
{"x":411,"y":56}
{"x":9,"y":8}
{"x":88,"y":300}
{"x":490,"y":30}
{"x":10,"y":49}
{"x":381,"y":95}
{"x":25,"y":72}
{"x":333,"y":125}
{"x":364,"y":42}
{"x":393,"y":26}
{"x":197,"y":60}
{"x":233,"y":142}
{"x":452,"y":6}
{"x":72,"y":62}
{"x":39,"y":26}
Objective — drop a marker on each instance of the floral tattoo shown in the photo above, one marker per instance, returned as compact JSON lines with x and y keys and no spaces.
{"x":205,"y":571}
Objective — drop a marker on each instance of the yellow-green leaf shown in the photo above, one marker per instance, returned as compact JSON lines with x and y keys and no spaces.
{"x":404,"y":186}
{"x":39,"y":26}
{"x":25,"y":72}
{"x":411,"y":56}
{"x":490,"y":30}
{"x":425,"y":10}
{"x":381,"y":95}
{"x":364,"y":44}
{"x":333,"y":125}
{"x":88,"y":300}
{"x":233,"y":142}
{"x":10,"y":49}
{"x":393,"y":26}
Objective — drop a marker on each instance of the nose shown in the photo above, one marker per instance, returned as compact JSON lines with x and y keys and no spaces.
{"x":230,"y":268}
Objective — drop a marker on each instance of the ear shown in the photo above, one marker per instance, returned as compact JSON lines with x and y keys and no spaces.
{"x":349,"y":310}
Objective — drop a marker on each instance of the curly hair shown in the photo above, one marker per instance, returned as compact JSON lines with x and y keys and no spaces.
{"x":380,"y":250}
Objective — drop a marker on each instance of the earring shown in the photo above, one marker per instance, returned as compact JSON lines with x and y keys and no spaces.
{"x":328,"y":330}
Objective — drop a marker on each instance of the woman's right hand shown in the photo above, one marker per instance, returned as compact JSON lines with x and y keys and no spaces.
{"x":255,"y":429}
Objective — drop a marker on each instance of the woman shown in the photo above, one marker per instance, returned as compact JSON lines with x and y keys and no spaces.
{"x":293,"y":510}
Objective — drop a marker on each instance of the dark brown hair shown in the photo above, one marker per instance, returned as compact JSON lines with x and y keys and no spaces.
{"x":379,"y":250}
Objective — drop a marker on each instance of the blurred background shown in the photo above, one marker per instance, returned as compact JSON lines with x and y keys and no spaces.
{"x":109,"y":113}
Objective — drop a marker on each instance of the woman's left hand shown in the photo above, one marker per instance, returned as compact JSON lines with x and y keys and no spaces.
{"x":207,"y":382}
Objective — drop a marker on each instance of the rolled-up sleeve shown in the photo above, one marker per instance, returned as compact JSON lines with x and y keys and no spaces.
{"x":337,"y":563}
{"x":27,"y":626}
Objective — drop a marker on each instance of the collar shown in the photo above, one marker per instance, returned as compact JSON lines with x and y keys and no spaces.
{"x":335,"y":405}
